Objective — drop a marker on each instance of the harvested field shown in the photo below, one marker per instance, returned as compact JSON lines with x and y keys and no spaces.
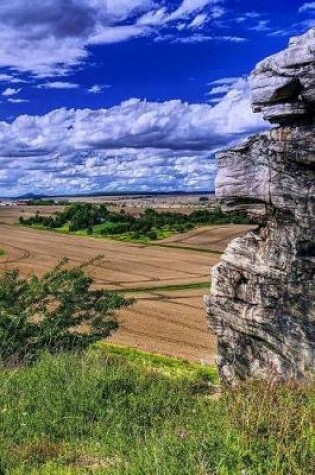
{"x":11,"y":214}
{"x":167,"y":322}
{"x":125,"y":265}
{"x":215,"y":238}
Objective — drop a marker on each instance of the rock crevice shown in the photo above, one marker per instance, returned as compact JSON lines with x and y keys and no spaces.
{"x":262,"y":302}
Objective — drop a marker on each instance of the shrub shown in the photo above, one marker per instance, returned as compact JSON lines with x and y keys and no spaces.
{"x":152,"y":235}
{"x":58,"y":312}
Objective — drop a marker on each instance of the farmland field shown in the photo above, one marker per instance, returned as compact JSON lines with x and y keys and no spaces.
{"x":168,"y":283}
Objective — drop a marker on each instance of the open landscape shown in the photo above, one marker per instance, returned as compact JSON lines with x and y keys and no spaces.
{"x":167,"y":280}
{"x":157,"y":224}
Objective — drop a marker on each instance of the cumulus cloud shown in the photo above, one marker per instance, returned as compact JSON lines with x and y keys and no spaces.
{"x":136,"y":145}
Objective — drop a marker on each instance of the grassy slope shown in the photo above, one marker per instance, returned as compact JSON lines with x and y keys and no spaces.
{"x":123,"y":412}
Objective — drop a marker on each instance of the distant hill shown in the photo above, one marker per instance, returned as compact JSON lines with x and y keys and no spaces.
{"x":33,"y":196}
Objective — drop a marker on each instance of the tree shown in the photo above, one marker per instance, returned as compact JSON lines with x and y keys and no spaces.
{"x":58,"y":312}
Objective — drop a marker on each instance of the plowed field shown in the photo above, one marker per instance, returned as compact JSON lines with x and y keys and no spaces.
{"x":167,"y":322}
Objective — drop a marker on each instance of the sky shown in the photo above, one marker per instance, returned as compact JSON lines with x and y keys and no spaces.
{"x":130,"y":95}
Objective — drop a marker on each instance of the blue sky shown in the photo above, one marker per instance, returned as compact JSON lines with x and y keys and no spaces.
{"x":123,"y":95}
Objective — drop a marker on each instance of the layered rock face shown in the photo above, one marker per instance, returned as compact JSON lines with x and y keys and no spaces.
{"x":262,"y":304}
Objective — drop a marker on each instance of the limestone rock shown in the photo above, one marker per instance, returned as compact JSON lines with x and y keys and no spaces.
{"x":283,"y":86}
{"x":262,"y":304}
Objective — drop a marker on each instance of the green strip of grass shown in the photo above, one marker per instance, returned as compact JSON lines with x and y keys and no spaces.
{"x":172,"y":367}
{"x":166,"y":288}
{"x":188,"y":248}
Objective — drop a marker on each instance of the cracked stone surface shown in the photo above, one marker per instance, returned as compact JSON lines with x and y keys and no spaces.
{"x":283,"y":85}
{"x":262,"y":303}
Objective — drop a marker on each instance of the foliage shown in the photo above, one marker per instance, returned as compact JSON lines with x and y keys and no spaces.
{"x":122,"y":412}
{"x":96,"y":219}
{"x":48,"y":313}
{"x":46,"y":202}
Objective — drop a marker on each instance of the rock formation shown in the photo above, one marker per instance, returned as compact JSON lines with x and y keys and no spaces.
{"x":262,"y":304}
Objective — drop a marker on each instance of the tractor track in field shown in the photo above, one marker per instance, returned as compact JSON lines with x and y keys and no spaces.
{"x":167,"y":279}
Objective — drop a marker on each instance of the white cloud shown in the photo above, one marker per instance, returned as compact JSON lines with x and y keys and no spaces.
{"x":10,"y":91}
{"x":223,"y":81}
{"x":98,"y":88}
{"x":261,"y":26}
{"x":116,"y":34}
{"x":136,"y":145}
{"x":17,"y":101}
{"x":198,"y":21}
{"x":154,"y":17}
{"x":188,"y":7}
{"x":49,"y":38}
{"x":200,"y":38}
{"x":307,"y":7}
{"x":58,"y":85}
{"x":217,"y":12}
{"x":122,"y":9}
{"x":220,"y":89}
{"x":6,"y":78}
{"x":225,"y":86}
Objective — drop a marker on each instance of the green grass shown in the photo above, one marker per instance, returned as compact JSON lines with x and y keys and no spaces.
{"x":162,"y":233}
{"x":188,"y":248}
{"x":167,"y":288}
{"x":38,"y":226}
{"x":123,"y":412}
{"x":2,"y":253}
{"x":63,"y":229}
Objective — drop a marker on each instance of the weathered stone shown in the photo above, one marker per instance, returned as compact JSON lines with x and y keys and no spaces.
{"x":283,"y":85}
{"x":262,"y":304}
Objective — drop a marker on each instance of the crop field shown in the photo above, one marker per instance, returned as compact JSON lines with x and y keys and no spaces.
{"x":10,"y":215}
{"x":167,"y":282}
{"x":215,"y":238}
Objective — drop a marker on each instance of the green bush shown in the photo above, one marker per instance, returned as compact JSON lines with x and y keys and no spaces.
{"x":152,"y":234}
{"x":48,"y":313}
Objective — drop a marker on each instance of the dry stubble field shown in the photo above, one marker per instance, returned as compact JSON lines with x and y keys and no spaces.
{"x":170,"y":322}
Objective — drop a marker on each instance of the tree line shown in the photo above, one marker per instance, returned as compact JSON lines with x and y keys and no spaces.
{"x":87,"y":216}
